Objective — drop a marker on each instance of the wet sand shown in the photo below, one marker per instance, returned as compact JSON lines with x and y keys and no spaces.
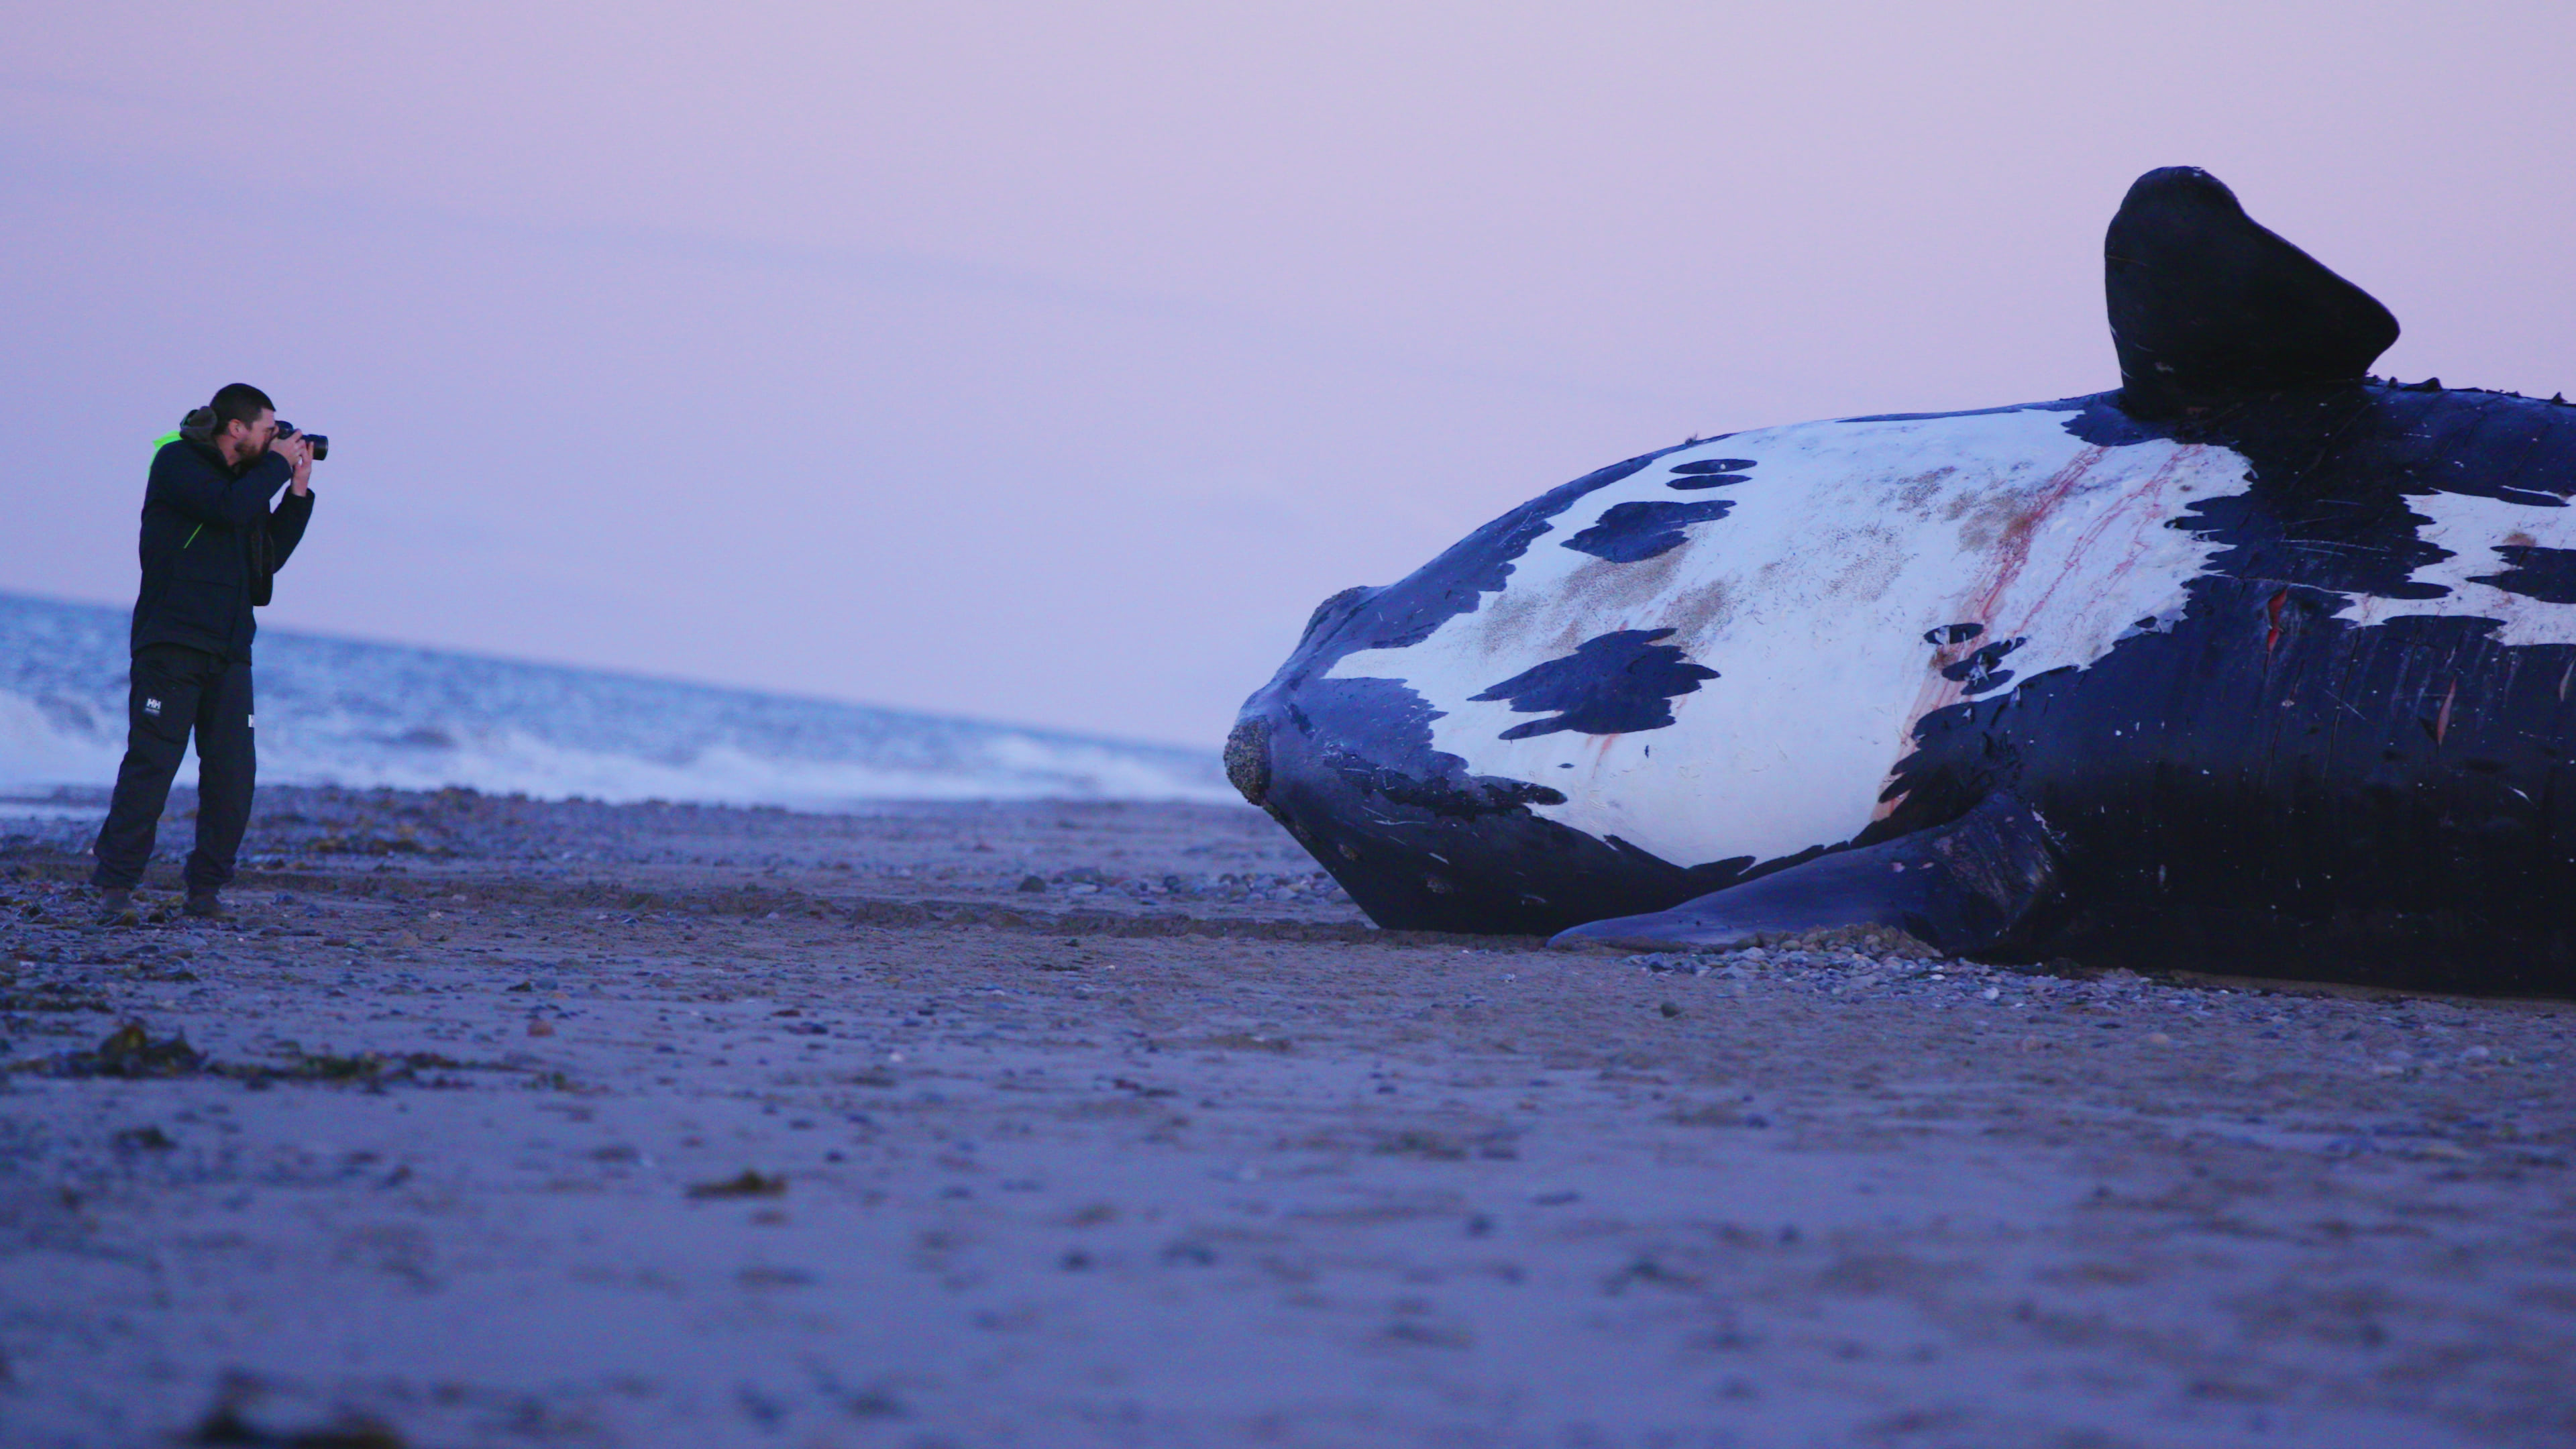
{"x":512,"y":1123}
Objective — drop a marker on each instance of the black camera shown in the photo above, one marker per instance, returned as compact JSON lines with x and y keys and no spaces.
{"x":321,"y":444}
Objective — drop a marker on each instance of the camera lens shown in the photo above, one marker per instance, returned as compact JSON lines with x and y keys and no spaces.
{"x":321,"y":445}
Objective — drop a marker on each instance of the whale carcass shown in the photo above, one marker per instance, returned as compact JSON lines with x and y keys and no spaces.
{"x":2255,"y":664}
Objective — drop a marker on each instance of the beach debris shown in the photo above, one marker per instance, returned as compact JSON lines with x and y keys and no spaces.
{"x":133,"y":1052}
{"x":337,"y":1067}
{"x":1246,"y":1041}
{"x":1429,"y":1335}
{"x":130,"y":1051}
{"x":751,"y":1183}
{"x":873,"y":1404}
{"x":147,"y":1138}
{"x":51,"y":996}
{"x":224,"y":1424}
{"x":1435,"y":1146}
{"x":1645,"y":1270}
{"x":1033,"y":883}
{"x":1716,"y":1115}
{"x":405,"y":841}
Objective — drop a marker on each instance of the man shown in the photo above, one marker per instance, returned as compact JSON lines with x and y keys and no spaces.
{"x":210,"y":543}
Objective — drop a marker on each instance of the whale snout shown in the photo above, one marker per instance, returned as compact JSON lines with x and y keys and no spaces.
{"x":1420,"y":842}
{"x":1390,"y":833}
{"x":1350,"y":766}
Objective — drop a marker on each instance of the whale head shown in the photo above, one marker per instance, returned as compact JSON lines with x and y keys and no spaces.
{"x":1715,"y":660}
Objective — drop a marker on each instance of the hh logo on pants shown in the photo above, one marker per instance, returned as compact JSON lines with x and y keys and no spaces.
{"x":152,"y":707}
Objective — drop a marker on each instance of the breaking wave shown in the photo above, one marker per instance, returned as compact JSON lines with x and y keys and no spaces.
{"x":342,"y":712}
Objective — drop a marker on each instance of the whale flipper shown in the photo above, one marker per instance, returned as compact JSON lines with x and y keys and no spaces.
{"x":2207,"y":305}
{"x":1961,"y":887}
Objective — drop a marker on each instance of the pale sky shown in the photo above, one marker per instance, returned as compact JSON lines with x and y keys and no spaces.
{"x":1049,"y":363}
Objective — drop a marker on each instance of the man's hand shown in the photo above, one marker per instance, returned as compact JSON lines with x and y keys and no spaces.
{"x":298,"y":453}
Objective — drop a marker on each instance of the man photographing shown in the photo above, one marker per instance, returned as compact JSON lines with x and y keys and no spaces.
{"x":211,"y":544}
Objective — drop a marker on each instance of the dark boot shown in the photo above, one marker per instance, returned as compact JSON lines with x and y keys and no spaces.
{"x":206,"y":906}
{"x":115,"y":904}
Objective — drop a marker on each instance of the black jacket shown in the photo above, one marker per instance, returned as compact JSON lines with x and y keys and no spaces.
{"x":210,"y":544}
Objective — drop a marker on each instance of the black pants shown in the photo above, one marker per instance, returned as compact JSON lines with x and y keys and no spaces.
{"x":176,"y":689}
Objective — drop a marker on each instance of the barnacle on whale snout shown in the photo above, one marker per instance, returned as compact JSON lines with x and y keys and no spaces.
{"x":1247,"y":759}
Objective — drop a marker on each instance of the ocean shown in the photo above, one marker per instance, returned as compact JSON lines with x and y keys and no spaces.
{"x":346,"y":712}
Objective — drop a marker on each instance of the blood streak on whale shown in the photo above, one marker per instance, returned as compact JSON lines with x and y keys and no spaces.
{"x":2253,"y":657}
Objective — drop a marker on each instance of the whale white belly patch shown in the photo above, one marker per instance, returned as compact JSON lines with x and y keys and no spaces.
{"x":2480,"y":532}
{"x":1843,"y":546}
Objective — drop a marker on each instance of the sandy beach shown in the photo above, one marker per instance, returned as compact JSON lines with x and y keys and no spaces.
{"x":500,"y":1122}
